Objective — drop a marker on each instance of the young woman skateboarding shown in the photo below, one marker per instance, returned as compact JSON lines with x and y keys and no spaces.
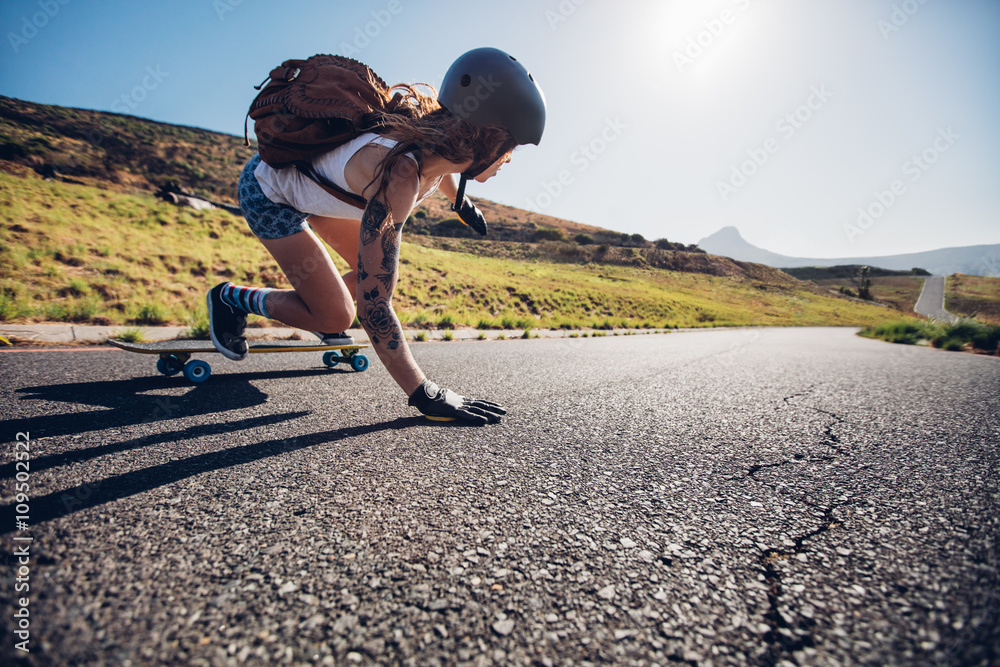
{"x":488,"y":104}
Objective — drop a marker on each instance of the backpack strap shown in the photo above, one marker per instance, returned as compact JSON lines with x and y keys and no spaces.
{"x":357,"y":201}
{"x":340,"y":193}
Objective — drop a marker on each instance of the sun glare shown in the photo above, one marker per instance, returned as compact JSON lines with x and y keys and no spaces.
{"x":704,"y":43}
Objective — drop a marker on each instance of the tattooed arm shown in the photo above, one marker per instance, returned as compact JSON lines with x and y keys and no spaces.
{"x":378,"y":266}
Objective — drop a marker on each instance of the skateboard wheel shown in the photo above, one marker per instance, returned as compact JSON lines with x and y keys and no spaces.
{"x":359,"y":362}
{"x":197,"y":371}
{"x":331,"y":357}
{"x":169,"y":365}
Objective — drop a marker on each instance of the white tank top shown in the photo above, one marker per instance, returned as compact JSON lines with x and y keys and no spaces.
{"x":291,"y":187}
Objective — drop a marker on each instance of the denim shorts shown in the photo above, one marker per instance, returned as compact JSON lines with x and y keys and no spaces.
{"x":267,"y":219}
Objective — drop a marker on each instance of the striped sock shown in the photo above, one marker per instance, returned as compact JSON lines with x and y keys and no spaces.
{"x":247,"y":299}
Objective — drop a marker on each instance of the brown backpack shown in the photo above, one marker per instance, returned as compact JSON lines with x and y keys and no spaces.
{"x":309,"y":107}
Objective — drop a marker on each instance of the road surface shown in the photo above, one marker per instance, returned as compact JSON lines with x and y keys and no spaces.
{"x":931,"y":300}
{"x":763,"y":497}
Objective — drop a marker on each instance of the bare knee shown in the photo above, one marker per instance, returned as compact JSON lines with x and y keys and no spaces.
{"x":337,"y":319}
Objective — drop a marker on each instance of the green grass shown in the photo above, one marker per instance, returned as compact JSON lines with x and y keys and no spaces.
{"x":76,"y":253}
{"x":499,"y":293}
{"x":905,"y":333}
{"x":131,"y":335}
{"x":964,"y":333}
{"x":199,"y":328}
{"x":82,"y":254}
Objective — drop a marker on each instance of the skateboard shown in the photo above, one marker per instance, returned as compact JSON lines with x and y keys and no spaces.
{"x":175,"y":355}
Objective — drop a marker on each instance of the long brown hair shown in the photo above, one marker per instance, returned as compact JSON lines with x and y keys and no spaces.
{"x":419,"y":123}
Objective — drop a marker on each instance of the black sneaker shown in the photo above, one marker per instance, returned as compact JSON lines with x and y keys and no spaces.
{"x":334,"y":338}
{"x":227,"y":325}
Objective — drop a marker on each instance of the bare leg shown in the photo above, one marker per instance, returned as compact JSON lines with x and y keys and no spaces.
{"x":342,"y":235}
{"x":320,"y":301}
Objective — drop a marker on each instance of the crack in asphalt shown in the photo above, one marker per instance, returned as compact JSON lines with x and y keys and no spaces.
{"x":778,"y":641}
{"x":831,"y":439}
{"x":805,"y":392}
{"x":781,"y":637}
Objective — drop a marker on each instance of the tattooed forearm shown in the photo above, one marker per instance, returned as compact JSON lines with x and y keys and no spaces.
{"x":377,"y":274}
{"x":380,"y":320}
{"x":375,"y":298}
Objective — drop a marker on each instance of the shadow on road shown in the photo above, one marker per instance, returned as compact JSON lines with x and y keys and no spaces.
{"x":84,"y":496}
{"x":128,"y":404}
{"x":39,"y":463}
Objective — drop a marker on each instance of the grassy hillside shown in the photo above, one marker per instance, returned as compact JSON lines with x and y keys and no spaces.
{"x":91,"y":244}
{"x":846,"y":272}
{"x":966,"y":296}
{"x":132,"y":153}
{"x":79,"y":253}
{"x":899,"y":292}
{"x":973,"y":296}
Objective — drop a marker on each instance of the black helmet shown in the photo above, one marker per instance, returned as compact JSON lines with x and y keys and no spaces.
{"x":489,"y":87}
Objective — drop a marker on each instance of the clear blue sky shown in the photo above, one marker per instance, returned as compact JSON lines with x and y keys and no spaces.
{"x":669,"y":119}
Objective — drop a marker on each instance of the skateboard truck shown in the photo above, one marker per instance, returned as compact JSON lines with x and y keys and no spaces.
{"x":175,"y":356}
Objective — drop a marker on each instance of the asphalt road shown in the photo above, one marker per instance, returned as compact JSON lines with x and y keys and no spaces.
{"x":930,"y":303}
{"x":787,"y":496}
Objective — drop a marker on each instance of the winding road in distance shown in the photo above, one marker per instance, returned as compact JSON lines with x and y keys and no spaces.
{"x":931,"y":301}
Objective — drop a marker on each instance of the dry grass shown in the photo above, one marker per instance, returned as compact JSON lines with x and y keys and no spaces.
{"x":974,"y":296}
{"x":75,"y":253}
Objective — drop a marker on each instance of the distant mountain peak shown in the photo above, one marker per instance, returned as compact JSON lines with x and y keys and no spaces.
{"x":728,"y":234}
{"x":728,"y":242}
{"x":729,"y":229}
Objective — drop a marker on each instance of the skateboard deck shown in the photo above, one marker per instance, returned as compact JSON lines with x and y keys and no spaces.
{"x":175,"y":355}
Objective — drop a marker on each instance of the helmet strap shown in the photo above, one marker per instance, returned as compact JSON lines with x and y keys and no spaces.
{"x":479,"y":165}
{"x":460,"y":195}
